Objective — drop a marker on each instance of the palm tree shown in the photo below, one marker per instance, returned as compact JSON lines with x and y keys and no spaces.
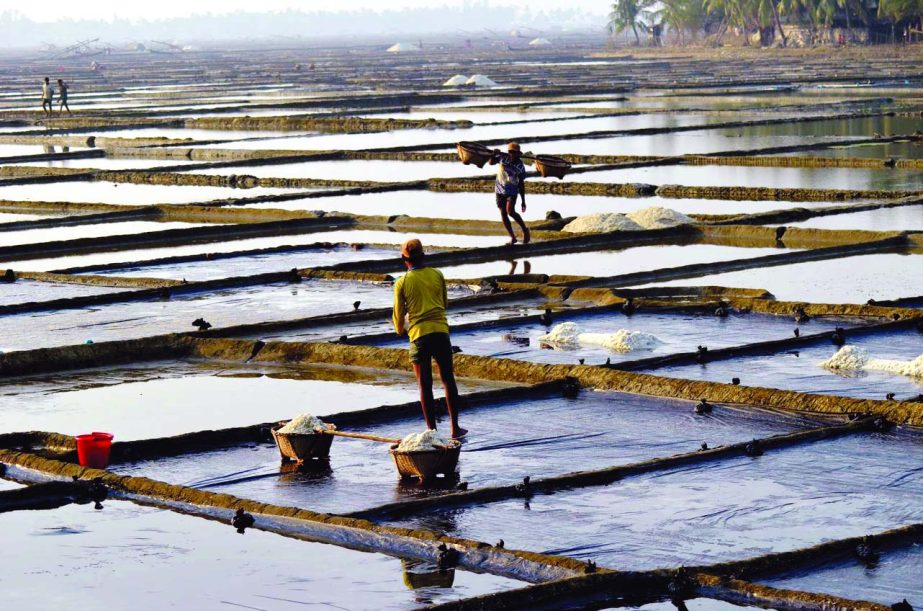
{"x":624,"y":15}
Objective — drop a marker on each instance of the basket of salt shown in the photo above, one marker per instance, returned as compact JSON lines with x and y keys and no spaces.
{"x":299,"y":439}
{"x":547,"y":165}
{"x":472,"y":152}
{"x":425,"y":455}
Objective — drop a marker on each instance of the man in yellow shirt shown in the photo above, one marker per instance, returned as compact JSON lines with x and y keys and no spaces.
{"x":420,"y":301}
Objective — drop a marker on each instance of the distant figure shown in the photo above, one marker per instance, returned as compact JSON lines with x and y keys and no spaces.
{"x":47,"y":96}
{"x":511,"y":181}
{"x":62,"y":95}
{"x":420,"y":302}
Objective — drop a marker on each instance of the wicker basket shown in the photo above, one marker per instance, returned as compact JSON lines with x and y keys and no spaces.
{"x":297,"y":447}
{"x":427,"y":464}
{"x":472,"y":152}
{"x":552,"y":166}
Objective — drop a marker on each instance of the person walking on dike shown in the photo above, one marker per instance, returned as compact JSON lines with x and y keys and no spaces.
{"x":62,"y":95}
{"x":47,"y":95}
{"x":420,"y":302}
{"x":511,"y":181}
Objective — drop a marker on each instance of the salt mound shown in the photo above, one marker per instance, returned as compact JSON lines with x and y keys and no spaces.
{"x":567,"y":334}
{"x":602,"y":222}
{"x":305,"y":424}
{"x":480,"y":80}
{"x":659,"y":218}
{"x":539,"y":42}
{"x":563,"y":334}
{"x":458,"y":80}
{"x":419,"y":442}
{"x":403,"y":47}
{"x":847,"y":358}
{"x":622,"y":340}
{"x":912,"y":368}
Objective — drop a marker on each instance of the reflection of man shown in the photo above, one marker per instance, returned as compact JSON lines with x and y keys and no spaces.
{"x":511,"y":175}
{"x":422,"y":297}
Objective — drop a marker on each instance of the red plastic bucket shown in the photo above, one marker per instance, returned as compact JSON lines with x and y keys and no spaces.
{"x":93,"y":449}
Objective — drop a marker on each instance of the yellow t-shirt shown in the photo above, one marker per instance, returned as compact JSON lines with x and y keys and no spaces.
{"x":421,"y":294}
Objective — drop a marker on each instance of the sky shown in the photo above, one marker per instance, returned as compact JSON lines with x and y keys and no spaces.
{"x":53,"y":10}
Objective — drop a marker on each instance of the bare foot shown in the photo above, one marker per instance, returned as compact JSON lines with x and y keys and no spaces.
{"x":459,"y":433}
{"x":512,"y":241}
{"x":526,"y":237}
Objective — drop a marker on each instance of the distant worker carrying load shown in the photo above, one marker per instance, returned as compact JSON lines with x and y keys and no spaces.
{"x":62,"y":95}
{"x":421,"y":296}
{"x":47,"y":96}
{"x":511,"y":181}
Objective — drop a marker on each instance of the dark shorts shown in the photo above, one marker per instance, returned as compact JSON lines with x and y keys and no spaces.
{"x":502,"y":199}
{"x":431,"y":346}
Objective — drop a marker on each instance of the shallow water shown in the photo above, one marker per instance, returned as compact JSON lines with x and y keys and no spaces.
{"x":128,"y":193}
{"x":430,"y":204}
{"x":23,"y":291}
{"x":702,"y":514}
{"x":594,"y":431}
{"x":678,"y":332}
{"x":847,"y":280}
{"x":74,"y":232}
{"x":17,"y":150}
{"x":107,"y":163}
{"x":77,"y":557}
{"x":611,"y":262}
{"x":252,"y":264}
{"x":413,"y":137}
{"x":377,"y":170}
{"x":800,"y":370}
{"x":896,"y":577}
{"x":897,"y":150}
{"x":222,"y":308}
{"x":162,"y":399}
{"x":348,"y":236}
{"x":905,"y":218}
{"x":751,"y":176}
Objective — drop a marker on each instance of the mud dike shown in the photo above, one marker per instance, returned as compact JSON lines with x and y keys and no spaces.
{"x":717,"y":464}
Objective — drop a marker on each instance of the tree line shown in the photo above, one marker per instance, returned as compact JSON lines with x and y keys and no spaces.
{"x":898,"y":20}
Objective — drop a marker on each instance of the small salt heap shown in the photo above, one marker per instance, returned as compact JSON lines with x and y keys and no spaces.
{"x":602,"y":222}
{"x":305,"y":424}
{"x":913,"y":369}
{"x":847,"y":358}
{"x":567,"y":334}
{"x":657,"y":217}
{"x":421,"y":442}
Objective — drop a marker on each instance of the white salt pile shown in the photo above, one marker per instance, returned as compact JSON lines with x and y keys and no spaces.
{"x":419,"y":442}
{"x":602,"y":222}
{"x":458,"y":80}
{"x":847,"y":358}
{"x":305,"y":424}
{"x":480,"y":80}
{"x":567,"y":334}
{"x":659,"y":218}
{"x":854,"y":358}
{"x":913,"y":369}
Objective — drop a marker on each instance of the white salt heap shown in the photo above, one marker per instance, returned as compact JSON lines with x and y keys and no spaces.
{"x":567,"y":334}
{"x":427,"y":440}
{"x":305,"y":424}
{"x":659,"y":218}
{"x":456,"y":81}
{"x":847,"y":358}
{"x":480,"y":80}
{"x":854,"y":358}
{"x":602,"y":222}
